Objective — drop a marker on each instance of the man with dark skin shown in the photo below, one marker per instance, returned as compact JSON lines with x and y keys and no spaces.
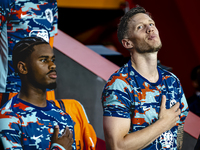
{"x":40,"y":124}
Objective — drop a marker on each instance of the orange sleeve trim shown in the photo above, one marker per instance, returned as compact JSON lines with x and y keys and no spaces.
{"x":51,"y":40}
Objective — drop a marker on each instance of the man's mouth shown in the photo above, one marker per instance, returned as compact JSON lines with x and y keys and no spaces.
{"x":52,"y":74}
{"x":151,"y":37}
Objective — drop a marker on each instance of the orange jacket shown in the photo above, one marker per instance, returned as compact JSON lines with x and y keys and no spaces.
{"x":85,"y":135}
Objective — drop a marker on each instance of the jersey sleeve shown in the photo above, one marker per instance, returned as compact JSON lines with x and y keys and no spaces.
{"x":10,"y":132}
{"x":116,"y":98}
{"x":4,"y":8}
{"x":183,"y":106}
{"x":54,"y":31}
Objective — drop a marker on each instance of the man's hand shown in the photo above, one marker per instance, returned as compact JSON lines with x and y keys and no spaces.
{"x":169,"y":116}
{"x":66,"y":140}
{"x":116,"y":129}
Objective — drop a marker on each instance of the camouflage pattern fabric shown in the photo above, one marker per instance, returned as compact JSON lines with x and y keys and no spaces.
{"x":20,"y":19}
{"x":129,"y":95}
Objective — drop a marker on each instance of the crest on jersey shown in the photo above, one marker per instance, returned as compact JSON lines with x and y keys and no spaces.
{"x":167,"y":139}
{"x":172,"y":103}
{"x":49,"y":15}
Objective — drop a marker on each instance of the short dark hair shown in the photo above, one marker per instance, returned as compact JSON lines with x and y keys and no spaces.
{"x":195,"y":73}
{"x":123,"y":25}
{"x":24,"y":48}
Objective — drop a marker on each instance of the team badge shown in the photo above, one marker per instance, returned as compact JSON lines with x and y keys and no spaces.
{"x":167,"y":139}
{"x":49,"y":15}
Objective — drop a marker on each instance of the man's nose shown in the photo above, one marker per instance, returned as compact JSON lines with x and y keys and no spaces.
{"x":52,"y":66}
{"x":149,"y":29}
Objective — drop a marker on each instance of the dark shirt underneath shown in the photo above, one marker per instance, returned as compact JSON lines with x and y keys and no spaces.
{"x":194,"y":104}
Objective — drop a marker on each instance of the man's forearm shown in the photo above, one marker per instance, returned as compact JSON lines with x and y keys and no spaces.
{"x":180,"y":137}
{"x":145,"y":136}
{"x":116,"y":137}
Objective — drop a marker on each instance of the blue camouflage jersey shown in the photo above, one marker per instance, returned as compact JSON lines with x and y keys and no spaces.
{"x":129,"y":95}
{"x":20,"y":19}
{"x":24,"y":126}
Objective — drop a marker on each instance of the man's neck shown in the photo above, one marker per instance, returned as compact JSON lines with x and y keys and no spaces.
{"x":146,"y":65}
{"x":34,"y":96}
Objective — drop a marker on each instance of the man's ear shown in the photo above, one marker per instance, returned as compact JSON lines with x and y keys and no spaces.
{"x":21,"y":66}
{"x":128,"y":44}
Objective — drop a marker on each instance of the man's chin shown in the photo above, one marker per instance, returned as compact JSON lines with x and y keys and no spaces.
{"x":154,"y":48}
{"x":148,"y":48}
{"x":52,"y":86}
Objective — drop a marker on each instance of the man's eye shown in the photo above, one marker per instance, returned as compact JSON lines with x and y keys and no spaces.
{"x":151,"y":24}
{"x":43,"y":60}
{"x":139,"y":27}
{"x":53,"y":60}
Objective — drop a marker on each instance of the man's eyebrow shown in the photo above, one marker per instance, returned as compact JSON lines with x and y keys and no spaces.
{"x":151,"y":21}
{"x":45,"y":56}
{"x":143,"y":22}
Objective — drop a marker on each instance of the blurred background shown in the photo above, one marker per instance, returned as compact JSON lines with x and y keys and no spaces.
{"x":93,"y":25}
